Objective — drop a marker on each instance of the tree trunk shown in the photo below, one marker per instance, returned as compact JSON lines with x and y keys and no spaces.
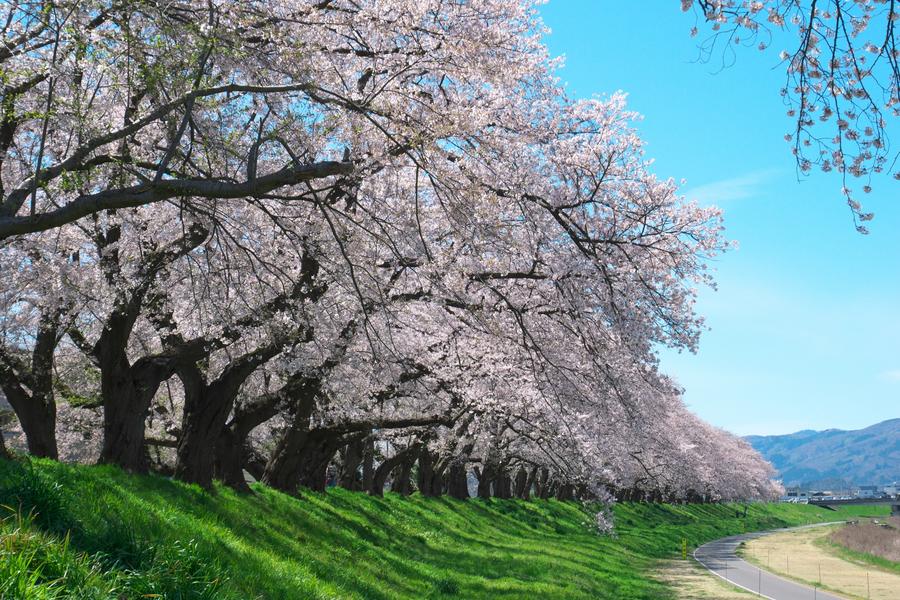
{"x":485,"y":479}
{"x":229,"y":450}
{"x":452,"y":476}
{"x":457,"y":480}
{"x":530,"y":483}
{"x":203,"y":420}
{"x":521,"y":491}
{"x":283,"y":469}
{"x":492,"y":466}
{"x":36,"y":406}
{"x":368,"y":464}
{"x":37,"y":416}
{"x":425,"y":478}
{"x":4,"y":451}
{"x":457,"y":474}
{"x":438,"y":477}
{"x":502,"y":484}
{"x":353,"y":457}
{"x":206,"y":410}
{"x":126,"y":404}
{"x":583,"y":493}
{"x":196,"y":454}
{"x":229,"y":461}
{"x":127,"y":389}
{"x":315,"y":457}
{"x":402,"y":484}
{"x":543,"y":486}
{"x":389,"y":464}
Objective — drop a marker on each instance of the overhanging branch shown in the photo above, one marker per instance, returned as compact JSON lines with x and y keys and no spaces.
{"x":171,"y":188}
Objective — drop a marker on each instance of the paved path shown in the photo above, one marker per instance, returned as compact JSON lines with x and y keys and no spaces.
{"x":719,"y":557}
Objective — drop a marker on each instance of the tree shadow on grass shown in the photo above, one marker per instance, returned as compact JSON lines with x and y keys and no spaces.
{"x":346,"y":544}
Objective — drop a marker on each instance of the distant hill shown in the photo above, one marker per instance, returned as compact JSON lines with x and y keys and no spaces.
{"x":832,"y":457}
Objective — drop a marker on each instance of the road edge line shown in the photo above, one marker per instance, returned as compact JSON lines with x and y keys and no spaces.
{"x":769,"y":531}
{"x":705,"y":566}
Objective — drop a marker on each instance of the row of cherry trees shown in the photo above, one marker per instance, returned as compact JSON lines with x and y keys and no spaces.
{"x":361,"y":242}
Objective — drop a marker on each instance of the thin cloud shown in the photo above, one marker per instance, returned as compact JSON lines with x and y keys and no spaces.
{"x":735,"y":188}
{"x":891,"y":375}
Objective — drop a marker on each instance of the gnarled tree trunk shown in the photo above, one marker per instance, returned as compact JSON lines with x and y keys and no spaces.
{"x":202,"y":424}
{"x":543,"y":486}
{"x":353,"y":458}
{"x":37,"y":416}
{"x":483,"y":490}
{"x":388,"y":465}
{"x":229,"y":459}
{"x":283,"y":471}
{"x":368,"y":463}
{"x":565,"y":492}
{"x":427,"y":479}
{"x":230,"y":447}
{"x":206,"y":410}
{"x":521,"y":490}
{"x":127,"y":393}
{"x":457,"y":480}
{"x":315,"y":458}
{"x":127,"y":389}
{"x":502,"y":483}
{"x":29,"y":387}
{"x":402,"y":484}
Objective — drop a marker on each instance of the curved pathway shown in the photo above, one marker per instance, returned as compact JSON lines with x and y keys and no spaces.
{"x":720,"y":558}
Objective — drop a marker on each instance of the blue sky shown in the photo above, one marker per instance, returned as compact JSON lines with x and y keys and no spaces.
{"x":805,"y":326}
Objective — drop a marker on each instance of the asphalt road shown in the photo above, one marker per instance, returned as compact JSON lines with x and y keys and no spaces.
{"x":719,"y":557}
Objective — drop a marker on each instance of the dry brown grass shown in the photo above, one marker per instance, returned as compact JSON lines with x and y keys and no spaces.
{"x":690,"y":581}
{"x":881,"y":539}
{"x":800,"y":555}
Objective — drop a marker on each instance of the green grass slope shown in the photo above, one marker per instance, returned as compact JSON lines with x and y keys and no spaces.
{"x":96,"y":532}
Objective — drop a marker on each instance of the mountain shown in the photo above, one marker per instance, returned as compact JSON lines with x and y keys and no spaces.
{"x":834,"y":457}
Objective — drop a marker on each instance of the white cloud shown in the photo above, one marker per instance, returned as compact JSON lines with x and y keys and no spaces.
{"x":891,"y":375}
{"x":735,"y":188}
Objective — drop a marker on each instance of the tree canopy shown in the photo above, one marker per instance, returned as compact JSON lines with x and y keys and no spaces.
{"x":344,"y":241}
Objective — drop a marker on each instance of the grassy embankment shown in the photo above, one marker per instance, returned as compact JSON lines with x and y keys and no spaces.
{"x":100,"y":533}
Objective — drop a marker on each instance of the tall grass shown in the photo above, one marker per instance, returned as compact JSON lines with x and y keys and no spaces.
{"x":877,"y":544}
{"x":47,"y":553}
{"x":28,"y":490}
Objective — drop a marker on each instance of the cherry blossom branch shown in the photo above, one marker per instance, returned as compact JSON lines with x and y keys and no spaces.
{"x":165,"y":189}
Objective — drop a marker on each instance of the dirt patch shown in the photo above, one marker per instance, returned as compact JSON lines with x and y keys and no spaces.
{"x":690,"y":581}
{"x":880,"y":537}
{"x":801,"y":555}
